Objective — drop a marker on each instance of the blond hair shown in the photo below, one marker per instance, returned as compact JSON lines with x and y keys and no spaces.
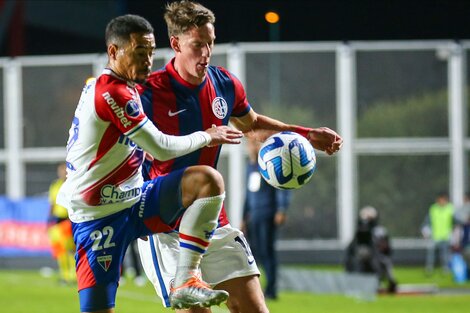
{"x":181,"y":16}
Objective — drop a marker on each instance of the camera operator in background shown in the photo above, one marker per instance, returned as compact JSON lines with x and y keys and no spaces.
{"x":370,"y":250}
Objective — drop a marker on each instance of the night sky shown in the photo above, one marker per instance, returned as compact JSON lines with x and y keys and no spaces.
{"x":243,"y":21}
{"x":331,"y":20}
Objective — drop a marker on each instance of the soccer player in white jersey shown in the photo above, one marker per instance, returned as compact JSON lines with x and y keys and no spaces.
{"x":107,"y":200}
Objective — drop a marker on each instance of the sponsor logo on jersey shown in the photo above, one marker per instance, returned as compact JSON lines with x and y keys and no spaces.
{"x":111,"y":194}
{"x":219,"y":107}
{"x":105,"y":261}
{"x":118,"y":111}
{"x":124,"y":140}
{"x":132,"y":108}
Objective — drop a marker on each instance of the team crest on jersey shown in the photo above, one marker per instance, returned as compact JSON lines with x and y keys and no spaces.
{"x":105,"y":261}
{"x":219,"y":107}
{"x":132,"y":108}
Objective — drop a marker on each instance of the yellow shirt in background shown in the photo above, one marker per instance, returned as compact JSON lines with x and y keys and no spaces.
{"x":57,"y":210}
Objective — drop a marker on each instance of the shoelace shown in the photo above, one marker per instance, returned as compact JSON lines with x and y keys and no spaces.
{"x":194,"y":282}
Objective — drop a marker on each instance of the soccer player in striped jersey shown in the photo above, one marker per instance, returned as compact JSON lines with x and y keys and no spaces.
{"x":189,"y":95}
{"x":107,"y":199}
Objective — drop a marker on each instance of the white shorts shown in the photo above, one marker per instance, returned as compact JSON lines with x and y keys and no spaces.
{"x":228,"y":256}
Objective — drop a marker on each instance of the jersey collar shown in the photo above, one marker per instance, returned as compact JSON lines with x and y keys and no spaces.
{"x":170,"y":67}
{"x":110,"y":72}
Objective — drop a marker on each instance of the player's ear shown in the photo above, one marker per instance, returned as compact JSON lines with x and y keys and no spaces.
{"x":174,"y":43}
{"x":112,"y":51}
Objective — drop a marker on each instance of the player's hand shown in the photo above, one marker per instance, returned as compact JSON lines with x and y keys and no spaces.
{"x":280,"y":218}
{"x":149,"y":157}
{"x":325,"y":139}
{"x":223,"y":135}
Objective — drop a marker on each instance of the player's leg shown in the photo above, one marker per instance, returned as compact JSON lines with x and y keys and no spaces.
{"x":101,"y":245}
{"x":246,"y":295}
{"x":229,"y":265}
{"x":203,"y":193}
{"x":227,"y":257}
{"x":199,"y":192}
{"x":159,"y":255}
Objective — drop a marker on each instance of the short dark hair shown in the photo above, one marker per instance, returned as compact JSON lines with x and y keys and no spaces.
{"x":120,"y":28}
{"x":443,"y":194}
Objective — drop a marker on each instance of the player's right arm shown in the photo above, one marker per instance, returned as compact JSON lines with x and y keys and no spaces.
{"x":120,"y":105}
{"x":165,"y":147}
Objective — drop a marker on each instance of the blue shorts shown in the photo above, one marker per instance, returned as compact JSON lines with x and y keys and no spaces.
{"x":102,"y":243}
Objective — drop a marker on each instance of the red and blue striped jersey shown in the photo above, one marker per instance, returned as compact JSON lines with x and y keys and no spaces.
{"x":177,"y":107}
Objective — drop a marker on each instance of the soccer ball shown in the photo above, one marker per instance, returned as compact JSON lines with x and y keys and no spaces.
{"x":286,"y":160}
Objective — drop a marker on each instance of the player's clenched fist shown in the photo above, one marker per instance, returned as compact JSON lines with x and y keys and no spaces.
{"x":325,"y":139}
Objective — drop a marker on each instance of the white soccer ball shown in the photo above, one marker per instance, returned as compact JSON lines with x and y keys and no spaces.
{"x":286,"y":160}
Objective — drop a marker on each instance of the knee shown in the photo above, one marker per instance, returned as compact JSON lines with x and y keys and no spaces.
{"x":204,"y":181}
{"x":212,"y":182}
{"x":233,"y":306}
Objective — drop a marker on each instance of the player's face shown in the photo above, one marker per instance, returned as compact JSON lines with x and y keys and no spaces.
{"x":193,"y":52}
{"x":134,"y":60}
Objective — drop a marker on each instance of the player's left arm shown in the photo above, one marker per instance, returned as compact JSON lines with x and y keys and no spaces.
{"x":260,"y":127}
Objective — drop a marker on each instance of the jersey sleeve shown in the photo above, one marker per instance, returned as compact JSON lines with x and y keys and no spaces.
{"x":165,"y":147}
{"x":121,"y":106}
{"x":241,"y":105}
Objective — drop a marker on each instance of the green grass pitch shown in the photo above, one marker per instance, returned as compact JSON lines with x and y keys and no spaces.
{"x":29,"y":292}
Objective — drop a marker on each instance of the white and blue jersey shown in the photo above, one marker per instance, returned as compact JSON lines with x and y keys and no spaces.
{"x":104,"y":193}
{"x":105,"y":150}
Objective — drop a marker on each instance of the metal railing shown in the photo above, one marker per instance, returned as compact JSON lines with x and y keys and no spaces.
{"x":14,"y":155}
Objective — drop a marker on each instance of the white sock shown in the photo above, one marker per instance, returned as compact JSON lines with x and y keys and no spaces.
{"x":197,"y":226}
